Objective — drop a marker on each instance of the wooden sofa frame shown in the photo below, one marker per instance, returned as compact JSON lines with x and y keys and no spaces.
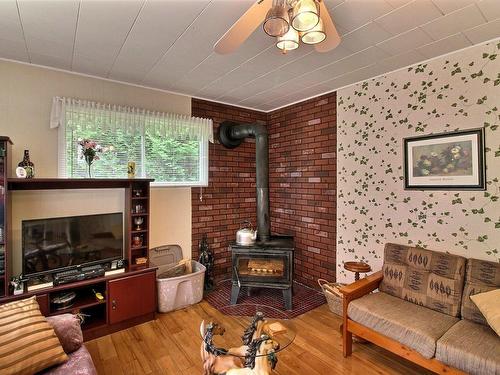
{"x":359,"y":289}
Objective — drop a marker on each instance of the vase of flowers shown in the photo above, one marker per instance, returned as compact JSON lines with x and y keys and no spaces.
{"x":88,"y":150}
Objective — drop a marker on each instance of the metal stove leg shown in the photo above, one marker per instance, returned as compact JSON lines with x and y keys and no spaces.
{"x":235,"y":291}
{"x":287,"y":296}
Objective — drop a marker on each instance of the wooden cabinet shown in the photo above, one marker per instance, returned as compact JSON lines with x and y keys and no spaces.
{"x":131,"y":297}
{"x":5,"y":144}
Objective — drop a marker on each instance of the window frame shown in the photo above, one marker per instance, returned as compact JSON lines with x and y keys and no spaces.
{"x":203,"y":162}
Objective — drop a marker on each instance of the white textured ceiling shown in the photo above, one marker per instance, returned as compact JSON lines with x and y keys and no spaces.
{"x":167,"y":44}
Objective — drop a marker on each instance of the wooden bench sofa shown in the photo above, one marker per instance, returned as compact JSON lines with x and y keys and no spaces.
{"x":422,"y":310}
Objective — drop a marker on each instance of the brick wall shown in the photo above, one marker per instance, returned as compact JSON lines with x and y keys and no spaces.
{"x":302,"y":184}
{"x":230,"y":197}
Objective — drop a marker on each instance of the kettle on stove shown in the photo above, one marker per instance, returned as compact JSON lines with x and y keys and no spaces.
{"x":246,"y":235}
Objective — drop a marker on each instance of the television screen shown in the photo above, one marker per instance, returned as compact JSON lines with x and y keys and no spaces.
{"x":55,"y":244}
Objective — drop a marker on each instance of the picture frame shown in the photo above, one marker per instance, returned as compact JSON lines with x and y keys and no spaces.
{"x":445,"y":161}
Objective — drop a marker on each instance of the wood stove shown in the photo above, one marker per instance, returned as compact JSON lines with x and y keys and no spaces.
{"x":264,"y":265}
{"x":269,"y":262}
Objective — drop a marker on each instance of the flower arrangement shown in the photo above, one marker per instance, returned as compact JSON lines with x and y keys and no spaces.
{"x":88,"y":150}
{"x":451,"y":160}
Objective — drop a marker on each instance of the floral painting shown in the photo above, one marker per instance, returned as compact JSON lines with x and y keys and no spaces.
{"x":453,"y":161}
{"x":445,"y":159}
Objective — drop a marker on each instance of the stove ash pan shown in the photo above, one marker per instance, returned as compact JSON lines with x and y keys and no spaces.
{"x":264,"y":265}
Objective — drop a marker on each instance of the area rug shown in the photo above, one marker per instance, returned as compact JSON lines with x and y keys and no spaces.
{"x":269,"y":301}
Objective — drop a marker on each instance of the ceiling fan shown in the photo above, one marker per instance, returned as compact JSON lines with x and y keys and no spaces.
{"x":290,"y":21}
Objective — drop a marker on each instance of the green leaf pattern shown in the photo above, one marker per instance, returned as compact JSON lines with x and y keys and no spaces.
{"x":457,"y":91}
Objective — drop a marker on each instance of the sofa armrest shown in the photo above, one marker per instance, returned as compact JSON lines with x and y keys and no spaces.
{"x":68,"y":330}
{"x":361,"y":287}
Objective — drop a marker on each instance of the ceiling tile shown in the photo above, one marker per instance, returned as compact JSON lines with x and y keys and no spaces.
{"x":10,"y":25}
{"x":364,"y":37}
{"x":103,"y":27}
{"x":14,"y":50}
{"x":153,"y":36}
{"x":330,"y":4}
{"x":402,"y":60}
{"x":50,"y":60}
{"x":448,"y":6}
{"x":196,"y":43}
{"x":50,"y":35}
{"x":354,"y":13}
{"x":398,"y":3}
{"x":260,"y":84}
{"x":445,"y":45}
{"x":490,"y":9}
{"x":405,"y":42}
{"x":168,"y":44}
{"x":454,"y":22}
{"x":228,"y":82}
{"x":484,"y":32}
{"x":315,"y":60}
{"x":409,"y":16}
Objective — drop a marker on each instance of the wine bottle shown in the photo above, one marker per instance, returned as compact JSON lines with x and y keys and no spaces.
{"x":27,"y":164}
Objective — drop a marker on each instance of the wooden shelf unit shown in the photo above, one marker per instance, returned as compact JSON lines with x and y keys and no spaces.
{"x":139,"y":206}
{"x":5,"y":166}
{"x":136,"y":287}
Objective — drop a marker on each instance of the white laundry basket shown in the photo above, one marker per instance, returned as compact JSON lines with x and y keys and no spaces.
{"x":176,"y":292}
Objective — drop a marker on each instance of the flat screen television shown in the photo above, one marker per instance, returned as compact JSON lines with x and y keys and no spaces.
{"x":57,"y":244}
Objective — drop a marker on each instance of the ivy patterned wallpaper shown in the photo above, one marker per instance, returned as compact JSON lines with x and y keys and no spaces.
{"x":457,"y":91}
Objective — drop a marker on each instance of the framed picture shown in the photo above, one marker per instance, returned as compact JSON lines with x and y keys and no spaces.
{"x":448,"y":161}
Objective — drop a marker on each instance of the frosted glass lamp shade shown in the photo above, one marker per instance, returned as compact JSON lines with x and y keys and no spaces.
{"x":277,"y":20}
{"x":289,"y":41}
{"x":305,"y":15}
{"x":315,"y":35}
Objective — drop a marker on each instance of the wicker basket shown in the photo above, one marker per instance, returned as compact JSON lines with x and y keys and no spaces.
{"x":333,"y":297}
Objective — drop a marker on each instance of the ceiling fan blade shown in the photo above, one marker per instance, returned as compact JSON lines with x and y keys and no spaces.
{"x":243,"y":28}
{"x":332,"y":36}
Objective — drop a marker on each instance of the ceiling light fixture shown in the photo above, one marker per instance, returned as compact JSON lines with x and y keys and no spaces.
{"x":277,"y":20}
{"x":289,"y":21}
{"x":289,"y":41}
{"x":315,"y":35}
{"x":305,"y":15}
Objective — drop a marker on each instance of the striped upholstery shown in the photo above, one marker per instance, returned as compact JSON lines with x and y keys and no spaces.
{"x":28,"y":343}
{"x":415,"y":326}
{"x":481,"y":276}
{"x":427,"y":278}
{"x":470,"y":347}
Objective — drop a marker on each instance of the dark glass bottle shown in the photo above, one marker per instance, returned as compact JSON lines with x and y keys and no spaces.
{"x":27,"y":164}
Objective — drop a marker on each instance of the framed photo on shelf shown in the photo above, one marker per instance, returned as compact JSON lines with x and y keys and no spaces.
{"x":447,"y":161}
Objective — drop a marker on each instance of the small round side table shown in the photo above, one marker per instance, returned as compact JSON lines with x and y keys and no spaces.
{"x":357,"y":268}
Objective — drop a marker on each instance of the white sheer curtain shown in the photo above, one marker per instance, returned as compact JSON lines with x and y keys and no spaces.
{"x":131,"y":120}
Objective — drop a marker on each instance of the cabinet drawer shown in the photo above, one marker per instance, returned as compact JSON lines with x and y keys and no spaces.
{"x":131,"y":297}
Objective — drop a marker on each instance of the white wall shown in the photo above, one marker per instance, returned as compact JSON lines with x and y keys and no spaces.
{"x":25,"y":101}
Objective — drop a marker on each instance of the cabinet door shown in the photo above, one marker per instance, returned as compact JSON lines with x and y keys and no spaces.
{"x":131,"y":296}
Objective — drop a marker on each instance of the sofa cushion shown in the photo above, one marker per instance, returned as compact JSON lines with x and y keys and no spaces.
{"x":470,"y":347}
{"x":427,"y":278}
{"x":28,"y":343}
{"x":481,"y":276}
{"x":415,"y":326}
{"x":79,"y":363}
{"x":68,"y":330}
{"x":489,"y":305}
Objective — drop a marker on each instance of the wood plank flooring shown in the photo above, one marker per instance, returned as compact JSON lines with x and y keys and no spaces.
{"x":171,"y":345}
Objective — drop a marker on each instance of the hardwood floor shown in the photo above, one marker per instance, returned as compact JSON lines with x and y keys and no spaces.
{"x":171,"y":345}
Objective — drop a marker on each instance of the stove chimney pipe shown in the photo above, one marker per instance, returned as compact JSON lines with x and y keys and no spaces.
{"x":231,"y":135}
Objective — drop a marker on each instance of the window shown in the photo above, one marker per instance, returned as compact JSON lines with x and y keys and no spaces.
{"x":172,"y":149}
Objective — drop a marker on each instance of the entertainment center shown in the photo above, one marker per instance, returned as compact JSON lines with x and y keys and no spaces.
{"x":128,"y":295}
